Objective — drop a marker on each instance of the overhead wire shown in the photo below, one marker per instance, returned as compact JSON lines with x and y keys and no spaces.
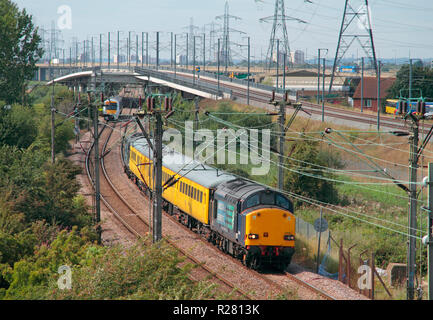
{"x":381,"y":191}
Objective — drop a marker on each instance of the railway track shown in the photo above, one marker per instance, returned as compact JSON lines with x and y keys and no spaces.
{"x":303,"y":283}
{"x":138,"y":227}
{"x":263,"y":97}
{"x":277,"y":279}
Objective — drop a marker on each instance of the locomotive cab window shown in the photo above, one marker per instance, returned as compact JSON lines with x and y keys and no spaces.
{"x":111,"y":105}
{"x":252,"y":201}
{"x":283,"y":202}
{"x":267,"y":198}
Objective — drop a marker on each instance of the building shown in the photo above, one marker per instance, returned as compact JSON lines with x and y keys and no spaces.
{"x":297,"y":57}
{"x":181,"y":59}
{"x":281,"y":55}
{"x":370,"y":92}
{"x":119,"y":59}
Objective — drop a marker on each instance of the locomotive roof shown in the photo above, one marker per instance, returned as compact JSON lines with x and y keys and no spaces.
{"x":206,"y":176}
{"x":239,"y":189}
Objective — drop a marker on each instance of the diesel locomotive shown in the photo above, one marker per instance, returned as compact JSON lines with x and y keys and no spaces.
{"x":247,"y":220}
{"x":112,"y":108}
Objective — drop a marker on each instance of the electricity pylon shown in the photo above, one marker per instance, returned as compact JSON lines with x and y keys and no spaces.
{"x":279,"y":32}
{"x":225,"y":52}
{"x":355,"y":26}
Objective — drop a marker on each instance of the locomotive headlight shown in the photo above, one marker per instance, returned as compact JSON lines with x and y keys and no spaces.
{"x":289,"y":237}
{"x":253,"y":236}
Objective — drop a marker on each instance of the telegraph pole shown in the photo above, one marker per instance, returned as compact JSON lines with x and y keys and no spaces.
{"x":157,"y":205}
{"x":318,"y":71}
{"x":136,"y":50}
{"x":379,"y":65}
{"x":53,"y":110}
{"x":187,"y":50}
{"x":129,"y":49}
{"x":197,"y":110}
{"x":142,"y":50}
{"x":171,"y":49}
{"x":318,"y":75}
{"x":156,"y":147}
{"x":219,"y":64}
{"x":97,"y":163}
{"x":147,"y":49}
{"x":204,"y":52}
{"x":193,"y":60}
{"x":282,"y":126}
{"x":109,"y":51}
{"x":430,"y":231}
{"x":410,"y":80}
{"x":284,"y":70}
{"x":249,"y":67}
{"x":412,"y":222}
{"x":175,"y":54}
{"x":157,"y":50}
{"x":53,"y":128}
{"x":282,"y":120}
{"x":323,"y":90}
{"x":362,"y":84}
{"x":118,"y":49}
{"x":278,"y":60}
{"x":100,"y":51}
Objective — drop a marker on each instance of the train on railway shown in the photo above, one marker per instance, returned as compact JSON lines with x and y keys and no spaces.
{"x":393,"y":106}
{"x":247,"y":220}
{"x":112,"y":109}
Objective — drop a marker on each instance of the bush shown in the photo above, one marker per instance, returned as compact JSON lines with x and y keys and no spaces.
{"x":139,"y":272}
{"x":17,"y":127}
{"x":310,"y":182}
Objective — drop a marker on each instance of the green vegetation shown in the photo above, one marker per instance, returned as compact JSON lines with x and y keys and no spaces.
{"x":306,"y":158}
{"x":139,"y":272}
{"x":372,"y":217}
{"x":422,"y":77}
{"x":44,"y":222}
{"x":38,"y":199}
{"x":19,"y":47}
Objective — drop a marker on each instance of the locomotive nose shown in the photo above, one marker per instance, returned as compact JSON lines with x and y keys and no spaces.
{"x":270,"y":227}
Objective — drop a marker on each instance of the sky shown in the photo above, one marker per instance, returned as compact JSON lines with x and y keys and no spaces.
{"x":400,"y":28}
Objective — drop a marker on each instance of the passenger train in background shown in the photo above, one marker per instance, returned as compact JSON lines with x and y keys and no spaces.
{"x":247,"y":220}
{"x":112,"y":109}
{"x":393,"y":105}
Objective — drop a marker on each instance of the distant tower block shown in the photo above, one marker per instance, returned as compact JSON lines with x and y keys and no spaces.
{"x":279,"y":32}
{"x":356,"y":26}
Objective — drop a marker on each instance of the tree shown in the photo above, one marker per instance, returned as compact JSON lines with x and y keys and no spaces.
{"x":19,"y":51}
{"x":312,"y":183}
{"x":17,"y":127}
{"x":422,"y":80}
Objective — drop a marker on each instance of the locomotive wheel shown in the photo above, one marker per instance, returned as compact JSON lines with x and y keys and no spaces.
{"x":255,"y":263}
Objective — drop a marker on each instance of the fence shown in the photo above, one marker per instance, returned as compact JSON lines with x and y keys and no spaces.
{"x":329,"y":254}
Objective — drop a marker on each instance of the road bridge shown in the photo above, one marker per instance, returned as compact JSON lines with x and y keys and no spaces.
{"x":91,"y":78}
